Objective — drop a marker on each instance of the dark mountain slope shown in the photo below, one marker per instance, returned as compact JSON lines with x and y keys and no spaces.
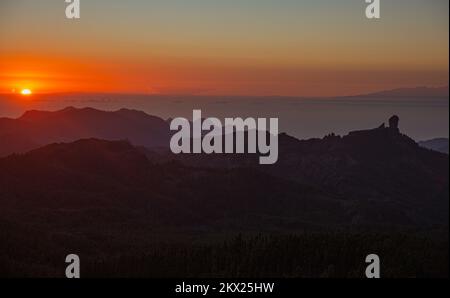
{"x":114,"y":204}
{"x":90,"y":174}
{"x":379,"y":168}
{"x":368,"y":178}
{"x":36,"y":128}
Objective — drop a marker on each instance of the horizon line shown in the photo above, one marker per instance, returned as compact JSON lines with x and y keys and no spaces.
{"x":368,"y":93}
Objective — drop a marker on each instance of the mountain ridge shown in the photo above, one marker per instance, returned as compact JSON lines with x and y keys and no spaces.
{"x":436,"y":144}
{"x":37,"y":128}
{"x":369,"y":177}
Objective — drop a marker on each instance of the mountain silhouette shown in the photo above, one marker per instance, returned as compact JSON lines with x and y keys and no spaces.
{"x":375,"y":177}
{"x":380,"y":168}
{"x":438,"y":144}
{"x":38,"y":128}
{"x":116,"y":203}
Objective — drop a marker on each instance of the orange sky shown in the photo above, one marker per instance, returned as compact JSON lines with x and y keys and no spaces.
{"x":301,"y":48}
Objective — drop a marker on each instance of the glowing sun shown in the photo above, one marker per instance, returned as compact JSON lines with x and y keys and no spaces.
{"x":26,"y":92}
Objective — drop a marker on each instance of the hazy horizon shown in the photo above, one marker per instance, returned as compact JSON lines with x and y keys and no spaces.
{"x":304,"y":118}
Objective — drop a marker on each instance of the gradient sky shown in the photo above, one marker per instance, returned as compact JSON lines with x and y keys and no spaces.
{"x":246,"y":47}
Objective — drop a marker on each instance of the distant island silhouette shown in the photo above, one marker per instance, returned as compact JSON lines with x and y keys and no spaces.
{"x":411,"y":92}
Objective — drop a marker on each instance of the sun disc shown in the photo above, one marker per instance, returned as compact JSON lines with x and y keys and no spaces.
{"x":26,"y":92}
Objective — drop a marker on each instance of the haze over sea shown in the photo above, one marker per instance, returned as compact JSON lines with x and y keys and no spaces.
{"x":421,"y":118}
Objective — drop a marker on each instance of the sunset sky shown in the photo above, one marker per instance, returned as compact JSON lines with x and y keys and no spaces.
{"x":245,"y":47}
